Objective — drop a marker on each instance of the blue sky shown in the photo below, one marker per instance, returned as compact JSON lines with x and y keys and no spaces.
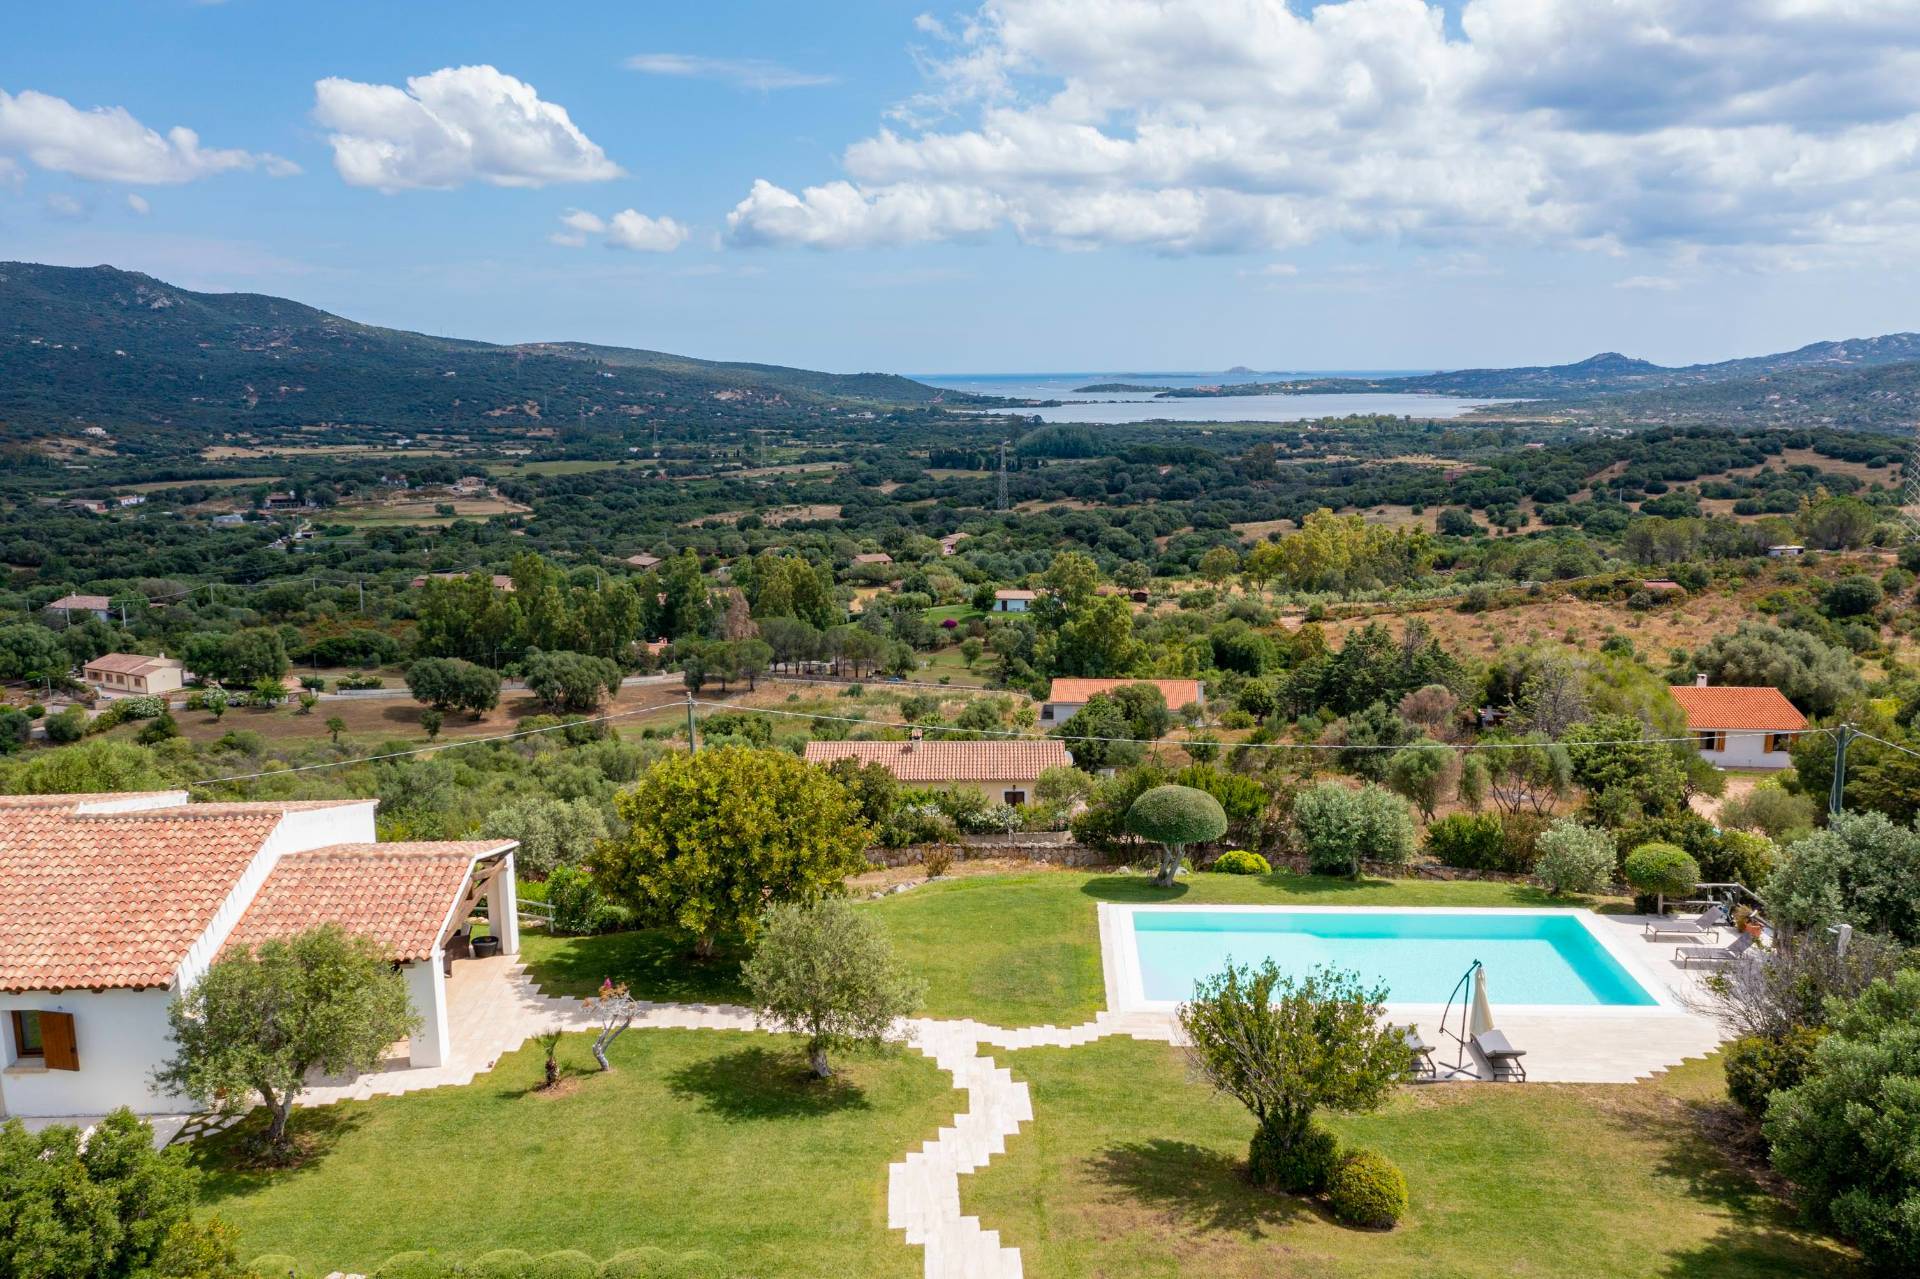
{"x":1025,"y":185}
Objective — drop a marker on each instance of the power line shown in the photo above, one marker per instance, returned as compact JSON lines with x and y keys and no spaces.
{"x":1904,"y":750}
{"x":437,"y":746}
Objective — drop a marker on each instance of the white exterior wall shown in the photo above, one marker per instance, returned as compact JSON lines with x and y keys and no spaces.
{"x":1010,"y":606}
{"x":427,"y":992}
{"x":121,"y":1038}
{"x":1062,"y":711}
{"x":1746,"y":750}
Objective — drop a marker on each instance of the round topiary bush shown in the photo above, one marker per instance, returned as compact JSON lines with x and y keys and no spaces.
{"x":1367,"y":1189}
{"x":413,"y":1265}
{"x":1302,"y":1168}
{"x":638,"y":1263}
{"x":501,"y":1263}
{"x":565,"y":1264}
{"x":1173,"y":817}
{"x":274,"y":1265}
{"x":1757,"y":1067}
{"x":697,"y":1265}
{"x":1661,"y":871}
{"x":1237,"y":861}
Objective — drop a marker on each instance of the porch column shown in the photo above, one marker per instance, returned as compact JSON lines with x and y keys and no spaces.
{"x":503,"y":906}
{"x":427,"y":992}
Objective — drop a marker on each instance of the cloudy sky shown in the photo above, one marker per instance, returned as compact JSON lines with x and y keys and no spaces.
{"x":1025,"y":185}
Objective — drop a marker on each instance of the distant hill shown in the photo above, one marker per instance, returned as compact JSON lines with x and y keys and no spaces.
{"x":121,"y":350}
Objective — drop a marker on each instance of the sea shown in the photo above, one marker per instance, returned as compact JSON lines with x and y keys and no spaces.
{"x":1132,"y":406}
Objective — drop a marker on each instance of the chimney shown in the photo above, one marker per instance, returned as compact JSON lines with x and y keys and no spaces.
{"x":913,"y":739}
{"x":1700,"y":680}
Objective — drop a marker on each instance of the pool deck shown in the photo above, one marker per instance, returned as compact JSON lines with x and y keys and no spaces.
{"x":1574,"y":1045}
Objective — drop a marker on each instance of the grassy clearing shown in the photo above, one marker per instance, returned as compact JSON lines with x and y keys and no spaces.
{"x":699,"y":1140}
{"x":1015,"y":950}
{"x":1130,"y":1168}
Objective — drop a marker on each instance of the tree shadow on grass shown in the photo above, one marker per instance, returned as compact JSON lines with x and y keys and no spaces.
{"x":759,"y":1083}
{"x":1132,"y":890}
{"x":654,"y":962}
{"x":236,"y":1162}
{"x":1201,"y":1188}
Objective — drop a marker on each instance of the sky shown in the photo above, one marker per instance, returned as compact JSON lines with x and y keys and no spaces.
{"x":1023,"y":185}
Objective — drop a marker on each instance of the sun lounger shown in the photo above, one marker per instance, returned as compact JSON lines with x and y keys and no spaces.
{"x":1707,"y":923}
{"x":1423,"y":1067}
{"x":1686,"y":956}
{"x":1502,"y":1056}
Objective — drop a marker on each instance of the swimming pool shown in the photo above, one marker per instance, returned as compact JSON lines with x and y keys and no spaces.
{"x":1547,"y":959}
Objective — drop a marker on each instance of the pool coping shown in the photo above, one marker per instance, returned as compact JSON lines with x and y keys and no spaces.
{"x":1125,"y":990}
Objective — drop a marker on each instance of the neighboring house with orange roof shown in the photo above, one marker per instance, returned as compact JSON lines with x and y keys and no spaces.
{"x":1068,"y":695}
{"x":1002,"y":769}
{"x":100,"y":606}
{"x":135,"y":674}
{"x":115,"y":904}
{"x":1738,"y":726}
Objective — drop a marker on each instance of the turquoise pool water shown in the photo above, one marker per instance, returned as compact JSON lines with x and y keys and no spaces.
{"x":1418,"y":954}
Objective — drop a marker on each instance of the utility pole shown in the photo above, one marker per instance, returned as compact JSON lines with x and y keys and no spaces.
{"x":1000,"y":499}
{"x":362,"y":584}
{"x":1837,"y":799}
{"x":693,"y":740}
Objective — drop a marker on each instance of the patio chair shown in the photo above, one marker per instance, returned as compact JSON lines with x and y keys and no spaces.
{"x":1502,"y":1056}
{"x":1686,"y":956}
{"x":1423,"y":1068}
{"x":1706,"y":924}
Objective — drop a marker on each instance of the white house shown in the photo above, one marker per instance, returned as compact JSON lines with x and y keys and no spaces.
{"x":1002,"y":769}
{"x":1065,"y":696}
{"x":1014,"y":601}
{"x":67,"y":605}
{"x":1737,"y":726}
{"x":114,"y":904}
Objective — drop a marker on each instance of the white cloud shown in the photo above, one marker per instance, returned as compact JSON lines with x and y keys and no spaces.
{"x":627,"y":229}
{"x":66,"y":207}
{"x":12,"y":176}
{"x":1653,"y":283}
{"x":1781,"y":127}
{"x":457,"y":125}
{"x":748,"y":73}
{"x":138,"y":203}
{"x":108,"y":144}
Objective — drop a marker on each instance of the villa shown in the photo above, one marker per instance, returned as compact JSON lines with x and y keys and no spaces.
{"x":67,"y":605}
{"x":1014,"y":601}
{"x":1003,"y":770}
{"x":118,"y":903}
{"x":135,"y":674}
{"x":1740,"y":727}
{"x":1067,"y":696}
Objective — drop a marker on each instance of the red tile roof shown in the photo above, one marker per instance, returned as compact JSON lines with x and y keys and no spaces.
{"x":1016,"y":595}
{"x":1001,"y":760}
{"x":94,"y":901}
{"x":1178,"y":692}
{"x":98,"y":603}
{"x":132,"y":663}
{"x":399,"y":894}
{"x":1730,"y":706}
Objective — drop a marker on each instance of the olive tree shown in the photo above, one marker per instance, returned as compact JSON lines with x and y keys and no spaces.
{"x":1173,"y":817}
{"x":828,"y":972}
{"x":1286,"y":1047}
{"x":261,"y":1019}
{"x":1661,"y":871}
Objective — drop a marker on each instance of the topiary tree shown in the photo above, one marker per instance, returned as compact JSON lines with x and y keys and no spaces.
{"x":1367,"y":1189}
{"x":1661,"y":871}
{"x":1173,"y":817}
{"x":260,"y":1020}
{"x":828,"y":972}
{"x":1286,"y":1048}
{"x":1574,"y":858}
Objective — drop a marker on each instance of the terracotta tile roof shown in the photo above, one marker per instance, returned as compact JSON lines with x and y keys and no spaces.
{"x":1016,"y":595}
{"x":109,"y":801}
{"x":1002,"y":760}
{"x":1178,"y":692}
{"x":115,"y":900}
{"x":132,"y":663}
{"x":873,"y":557}
{"x":99,"y":603}
{"x":399,"y":894}
{"x":1733,"y":707}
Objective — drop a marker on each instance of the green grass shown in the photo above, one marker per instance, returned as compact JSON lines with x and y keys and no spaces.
{"x":1014,"y":950}
{"x":1131,"y":1168}
{"x":699,"y":1140}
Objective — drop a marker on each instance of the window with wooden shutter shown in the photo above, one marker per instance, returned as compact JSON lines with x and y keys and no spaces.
{"x":56,"y":1037}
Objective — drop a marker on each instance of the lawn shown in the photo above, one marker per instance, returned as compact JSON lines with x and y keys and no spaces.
{"x":700,"y":1140}
{"x":1131,"y":1168}
{"x":1014,"y":950}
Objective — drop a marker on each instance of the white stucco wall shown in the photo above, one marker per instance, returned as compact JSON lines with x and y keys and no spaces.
{"x":1747,"y":750}
{"x":120,"y":1037}
{"x":427,"y":992}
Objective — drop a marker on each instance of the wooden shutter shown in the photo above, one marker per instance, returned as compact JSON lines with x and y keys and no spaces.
{"x":56,"y":1037}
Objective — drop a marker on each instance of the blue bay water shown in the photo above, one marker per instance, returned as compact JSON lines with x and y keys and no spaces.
{"x":1103,"y":407}
{"x":1418,"y":955}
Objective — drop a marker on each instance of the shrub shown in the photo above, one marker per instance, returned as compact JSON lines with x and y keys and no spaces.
{"x":413,"y":1265}
{"x":637,"y":1263}
{"x":1661,"y":871}
{"x":1469,"y":841}
{"x":66,"y":726}
{"x":1769,"y":809}
{"x":1574,"y":858}
{"x":938,"y":861}
{"x":566,"y":1264}
{"x":1367,"y":1189}
{"x":1339,"y":828}
{"x":1303,"y":1168}
{"x":1237,"y":861}
{"x":501,"y":1263}
{"x":1759,"y":1066}
{"x":272,"y":1265}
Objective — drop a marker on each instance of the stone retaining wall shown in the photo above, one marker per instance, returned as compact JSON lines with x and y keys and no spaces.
{"x":1053,"y":847}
